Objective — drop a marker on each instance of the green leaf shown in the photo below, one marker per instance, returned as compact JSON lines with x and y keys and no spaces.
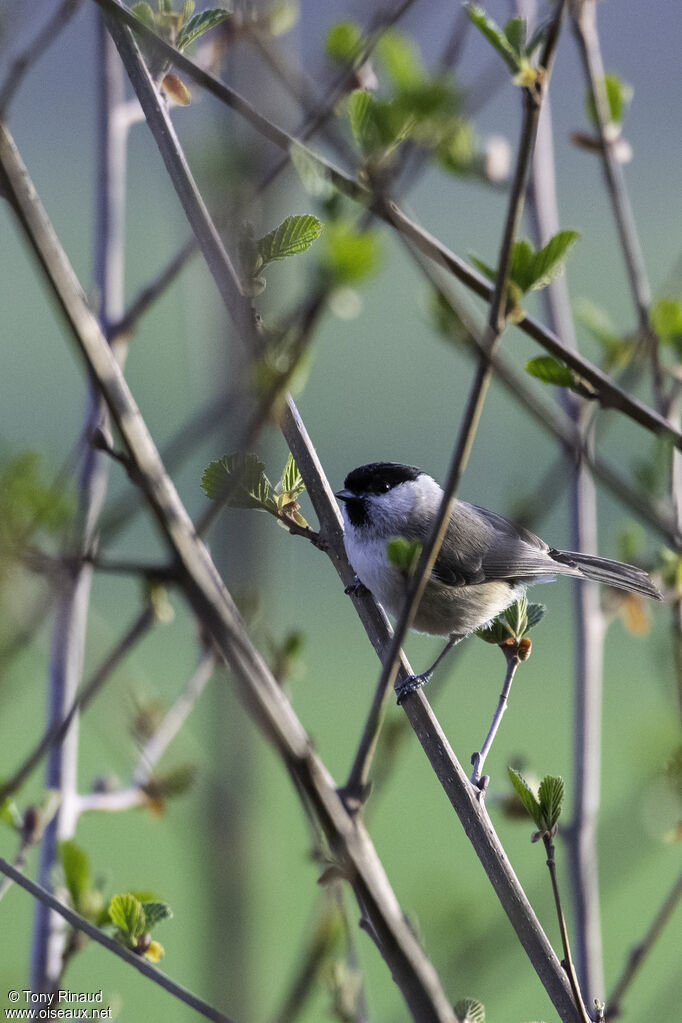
{"x":127,"y":913}
{"x":515,"y":34}
{"x":485,"y":268}
{"x":144,"y":12}
{"x":342,"y":42}
{"x":618,"y":350}
{"x":349,"y":255}
{"x":241,"y":477}
{"x":550,"y":797}
{"x":187,"y":10}
{"x":618,"y":96}
{"x":516,"y":616}
{"x":550,"y":371}
{"x":291,"y":484}
{"x":366,"y":124}
{"x":294,"y":235}
{"x":526,"y":795}
{"x":665,"y":317}
{"x":76,"y":867}
{"x":315,"y":178}
{"x":200,"y":23}
{"x":9,"y":814}
{"x":401,"y":59}
{"x":494,"y":34}
{"x":496,"y":633}
{"x":155,"y":912}
{"x":534,"y":615}
{"x":531,"y":270}
{"x":469,"y":1010}
{"x":403,"y":553}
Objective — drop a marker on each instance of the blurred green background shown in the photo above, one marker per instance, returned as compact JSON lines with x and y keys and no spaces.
{"x":232,"y":857}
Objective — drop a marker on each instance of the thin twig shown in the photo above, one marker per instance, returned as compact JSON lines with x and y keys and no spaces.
{"x":56,"y":730}
{"x":641,"y":951}
{"x":137,"y":962}
{"x":589,"y":630}
{"x":478,"y":759}
{"x":173,"y":721}
{"x":35,"y":49}
{"x":70,"y":625}
{"x":567,"y":960}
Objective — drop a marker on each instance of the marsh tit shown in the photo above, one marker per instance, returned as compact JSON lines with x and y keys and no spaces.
{"x":483,"y":566}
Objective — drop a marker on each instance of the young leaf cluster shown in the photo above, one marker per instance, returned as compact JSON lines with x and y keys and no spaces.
{"x":531,"y":269}
{"x":469,"y":1010}
{"x":295,"y":234}
{"x":545,"y":807}
{"x":134,"y":919}
{"x":179,"y":28}
{"x":513,"y":624}
{"x":419,"y":107}
{"x":239,"y":480}
{"x":511,"y":42}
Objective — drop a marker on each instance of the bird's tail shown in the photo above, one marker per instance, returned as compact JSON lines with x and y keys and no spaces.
{"x":604,"y":570}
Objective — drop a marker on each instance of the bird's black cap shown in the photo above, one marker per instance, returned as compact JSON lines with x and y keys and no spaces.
{"x":379,"y":477}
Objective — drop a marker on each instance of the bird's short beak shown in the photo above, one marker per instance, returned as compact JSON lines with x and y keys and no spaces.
{"x":344,"y":495}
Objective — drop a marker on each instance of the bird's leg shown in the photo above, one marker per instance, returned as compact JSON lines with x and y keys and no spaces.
{"x":414,"y":682}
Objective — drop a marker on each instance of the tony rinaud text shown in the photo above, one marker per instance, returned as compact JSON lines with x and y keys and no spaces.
{"x":61,"y":996}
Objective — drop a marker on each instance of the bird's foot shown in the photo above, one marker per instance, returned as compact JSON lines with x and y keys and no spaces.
{"x":411,"y":684}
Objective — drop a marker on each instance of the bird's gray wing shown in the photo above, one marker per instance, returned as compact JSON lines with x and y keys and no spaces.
{"x":481,"y":546}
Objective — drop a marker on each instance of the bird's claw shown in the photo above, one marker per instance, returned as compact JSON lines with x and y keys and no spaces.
{"x":410,"y":685}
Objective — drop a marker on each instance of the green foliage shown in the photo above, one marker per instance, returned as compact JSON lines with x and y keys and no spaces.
{"x":29,"y":507}
{"x":342,"y":42}
{"x":76,"y":867}
{"x":469,"y":1010}
{"x":180,"y":29}
{"x":511,"y":42}
{"x":530,"y":269}
{"x":134,"y":920}
{"x":401,"y":59}
{"x":239,"y":481}
{"x":497,"y":38}
{"x":403,"y":554}
{"x":617,"y":349}
{"x":513,"y":624}
{"x":127,"y":914}
{"x":294,"y":235}
{"x":533,"y":270}
{"x":349,"y":255}
{"x":551,"y":371}
{"x":545,"y":807}
{"x":197,"y":25}
{"x":665,"y":317}
{"x":618,"y":96}
{"x":315,"y":177}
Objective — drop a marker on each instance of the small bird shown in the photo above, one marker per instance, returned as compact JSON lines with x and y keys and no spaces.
{"x":484,"y":564}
